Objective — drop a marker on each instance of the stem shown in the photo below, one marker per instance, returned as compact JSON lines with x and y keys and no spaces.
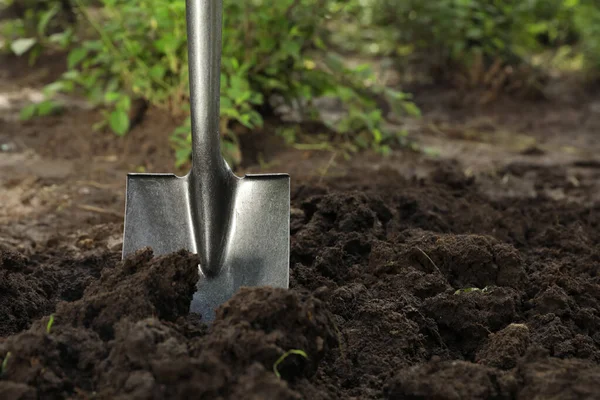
{"x":108,"y":42}
{"x":103,"y":36}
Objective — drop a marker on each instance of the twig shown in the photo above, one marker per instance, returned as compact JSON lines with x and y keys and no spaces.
{"x":99,"y":210}
{"x":430,"y":260}
{"x":329,"y":164}
{"x":99,"y":185}
{"x":435,"y":129}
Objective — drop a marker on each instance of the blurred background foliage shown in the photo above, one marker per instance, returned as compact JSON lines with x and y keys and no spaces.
{"x":281,"y":58}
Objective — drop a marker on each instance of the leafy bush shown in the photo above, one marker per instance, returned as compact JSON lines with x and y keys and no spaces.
{"x":36,"y":26}
{"x":451,"y":32}
{"x":587,"y":24}
{"x":137,"y":50}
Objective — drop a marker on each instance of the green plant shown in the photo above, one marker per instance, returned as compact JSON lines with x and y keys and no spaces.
{"x":284,"y":356}
{"x":453,"y":33}
{"x":471,"y":290}
{"x":5,"y":363}
{"x":586,"y":18}
{"x":278,"y":52}
{"x":270,"y":50}
{"x":42,"y":27}
{"x":49,"y":324}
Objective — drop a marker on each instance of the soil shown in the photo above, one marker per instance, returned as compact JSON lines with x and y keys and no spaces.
{"x":472,"y":273}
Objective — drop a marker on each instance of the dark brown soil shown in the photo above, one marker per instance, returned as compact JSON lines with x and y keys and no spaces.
{"x":474,"y":275}
{"x":375,"y":303}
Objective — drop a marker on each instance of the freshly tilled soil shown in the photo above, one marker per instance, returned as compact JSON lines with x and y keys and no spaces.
{"x":400,"y":289}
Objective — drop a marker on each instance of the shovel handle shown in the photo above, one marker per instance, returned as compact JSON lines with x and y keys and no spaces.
{"x":204,"y":20}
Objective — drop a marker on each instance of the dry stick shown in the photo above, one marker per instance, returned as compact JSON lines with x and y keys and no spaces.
{"x":99,"y":185}
{"x":430,"y":260}
{"x":99,"y":210}
{"x":329,"y":164}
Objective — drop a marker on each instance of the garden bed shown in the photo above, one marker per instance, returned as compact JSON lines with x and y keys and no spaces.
{"x":399,"y":289}
{"x":412,"y":277}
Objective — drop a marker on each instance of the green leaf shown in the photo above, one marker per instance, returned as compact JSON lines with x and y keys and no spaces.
{"x":226,"y":103}
{"x":47,"y":107}
{"x":158,"y":72}
{"x":113,"y":84}
{"x":182,"y":156}
{"x":71,"y":75}
{"x":412,"y":109}
{"x":5,"y":363}
{"x":34,"y":54}
{"x":124,"y":103}
{"x":232,"y":153}
{"x":76,"y":56}
{"x":237,"y":83}
{"x":45,"y":20}
{"x":168,"y":44}
{"x":49,"y":324}
{"x":22,"y":45}
{"x":334,"y":62}
{"x":94,"y":45}
{"x":292,"y":49}
{"x":230,"y":112}
{"x":431,"y":151}
{"x":28,"y":112}
{"x":119,"y":122}
{"x":385,"y":150}
{"x":89,"y":80}
{"x":111,"y":97}
{"x":53,"y":88}
{"x":61,"y":38}
{"x":67,"y":86}
{"x":245,"y":120}
{"x":275,"y":84}
{"x":319,"y":43}
{"x":377,"y":136}
{"x":474,"y":33}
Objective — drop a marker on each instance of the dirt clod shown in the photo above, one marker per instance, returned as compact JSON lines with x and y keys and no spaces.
{"x":451,"y":380}
{"x":140,"y":287}
{"x":505,"y":348}
{"x":404,"y":289}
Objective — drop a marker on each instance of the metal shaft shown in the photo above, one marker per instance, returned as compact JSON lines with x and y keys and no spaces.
{"x":204,"y":19}
{"x":211,"y":180}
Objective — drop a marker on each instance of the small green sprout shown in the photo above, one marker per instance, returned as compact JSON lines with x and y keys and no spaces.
{"x":284,"y":356}
{"x":50,"y":323}
{"x":5,"y":362}
{"x":473,"y":289}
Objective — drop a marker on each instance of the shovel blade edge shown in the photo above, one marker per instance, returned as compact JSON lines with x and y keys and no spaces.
{"x":258,"y":244}
{"x":157,"y":214}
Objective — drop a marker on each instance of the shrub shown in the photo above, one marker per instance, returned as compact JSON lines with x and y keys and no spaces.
{"x":586,"y":18}
{"x":450,"y":34}
{"x":137,"y":50}
{"x":32,"y":26}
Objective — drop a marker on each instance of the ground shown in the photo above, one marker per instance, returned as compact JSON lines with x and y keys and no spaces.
{"x":469,"y":272}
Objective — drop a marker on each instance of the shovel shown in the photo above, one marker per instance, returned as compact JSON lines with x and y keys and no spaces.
{"x":239,"y":227}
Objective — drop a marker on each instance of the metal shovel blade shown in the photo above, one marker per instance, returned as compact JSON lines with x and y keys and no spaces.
{"x":240,"y":227}
{"x":159,"y":214}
